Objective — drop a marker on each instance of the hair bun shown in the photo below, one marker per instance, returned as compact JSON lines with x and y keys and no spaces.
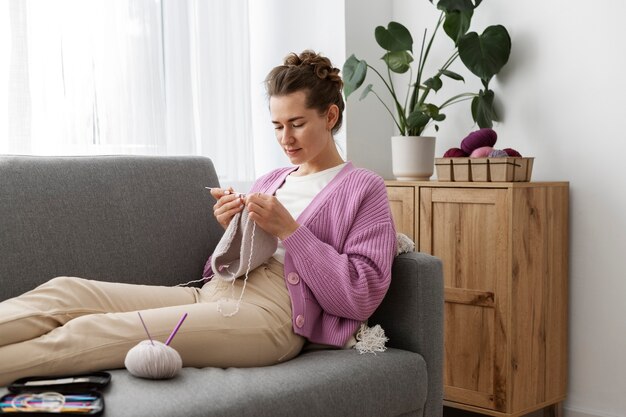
{"x":333,"y":75}
{"x":322,"y":67}
{"x":292,"y":60}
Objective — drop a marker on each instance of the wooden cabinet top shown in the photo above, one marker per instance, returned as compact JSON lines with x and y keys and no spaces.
{"x":454,"y":184}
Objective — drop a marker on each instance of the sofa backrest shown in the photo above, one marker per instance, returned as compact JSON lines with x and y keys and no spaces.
{"x":136,"y":219}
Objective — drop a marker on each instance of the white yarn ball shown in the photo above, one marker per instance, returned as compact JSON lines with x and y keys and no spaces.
{"x":153,"y":361}
{"x":405,"y":244}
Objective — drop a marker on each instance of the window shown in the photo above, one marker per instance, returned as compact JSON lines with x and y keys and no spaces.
{"x":155,"y":77}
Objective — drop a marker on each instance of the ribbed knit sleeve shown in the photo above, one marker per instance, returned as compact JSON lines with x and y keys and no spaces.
{"x":344,"y":251}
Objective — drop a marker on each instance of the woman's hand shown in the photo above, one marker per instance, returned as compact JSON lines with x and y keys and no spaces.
{"x":270,"y":215}
{"x":228,"y":204}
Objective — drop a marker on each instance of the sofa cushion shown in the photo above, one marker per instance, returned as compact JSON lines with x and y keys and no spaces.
{"x":320,"y":383}
{"x":135,"y":219}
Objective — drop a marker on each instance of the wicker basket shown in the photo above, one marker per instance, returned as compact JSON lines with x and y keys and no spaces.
{"x":507,"y":169}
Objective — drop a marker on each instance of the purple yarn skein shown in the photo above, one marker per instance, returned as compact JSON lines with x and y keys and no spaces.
{"x":511,"y":152}
{"x":454,"y":153}
{"x":478,"y":139}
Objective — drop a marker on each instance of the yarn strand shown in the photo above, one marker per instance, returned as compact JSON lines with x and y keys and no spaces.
{"x":194,"y":281}
{"x":245,"y":281}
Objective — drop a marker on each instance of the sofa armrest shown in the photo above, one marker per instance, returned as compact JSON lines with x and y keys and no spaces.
{"x":412,"y":316}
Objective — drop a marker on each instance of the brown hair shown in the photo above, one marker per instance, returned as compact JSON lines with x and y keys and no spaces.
{"x":315,"y":75}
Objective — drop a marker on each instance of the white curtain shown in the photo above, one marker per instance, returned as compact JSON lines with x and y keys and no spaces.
{"x":207,"y":78}
{"x":156,"y":77}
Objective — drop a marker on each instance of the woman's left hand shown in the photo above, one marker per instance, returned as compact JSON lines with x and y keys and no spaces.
{"x":267,"y":212}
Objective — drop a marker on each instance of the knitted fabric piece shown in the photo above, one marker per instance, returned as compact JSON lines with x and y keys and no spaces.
{"x":238,"y":252}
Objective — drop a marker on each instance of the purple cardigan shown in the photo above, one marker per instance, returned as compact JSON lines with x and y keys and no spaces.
{"x":338,"y":262}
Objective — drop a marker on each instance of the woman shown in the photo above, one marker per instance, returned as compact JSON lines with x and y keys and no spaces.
{"x":330,"y":272}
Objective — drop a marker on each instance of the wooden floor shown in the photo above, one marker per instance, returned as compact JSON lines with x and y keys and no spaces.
{"x":453,"y":412}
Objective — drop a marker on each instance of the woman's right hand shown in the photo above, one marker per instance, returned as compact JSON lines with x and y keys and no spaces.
{"x":228,"y":204}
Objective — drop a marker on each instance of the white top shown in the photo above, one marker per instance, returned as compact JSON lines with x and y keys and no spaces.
{"x":297,"y":192}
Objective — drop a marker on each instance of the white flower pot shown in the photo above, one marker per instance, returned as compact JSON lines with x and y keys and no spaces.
{"x":412,"y":157}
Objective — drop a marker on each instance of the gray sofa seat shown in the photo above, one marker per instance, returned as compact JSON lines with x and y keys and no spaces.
{"x":319,"y":383}
{"x":148,"y":220}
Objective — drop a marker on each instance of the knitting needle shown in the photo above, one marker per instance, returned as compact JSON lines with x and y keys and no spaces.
{"x":228,"y":192}
{"x":169,"y":339}
{"x":60,"y":381}
{"x":38,"y":402}
{"x":145,"y":328}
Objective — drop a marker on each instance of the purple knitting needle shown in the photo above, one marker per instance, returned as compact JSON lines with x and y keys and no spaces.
{"x":169,"y":339}
{"x":145,"y":328}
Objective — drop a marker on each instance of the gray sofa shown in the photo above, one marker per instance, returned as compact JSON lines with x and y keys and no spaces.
{"x":149,"y":220}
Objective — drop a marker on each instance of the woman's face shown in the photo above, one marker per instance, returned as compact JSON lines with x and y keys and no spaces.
{"x":303,"y":133}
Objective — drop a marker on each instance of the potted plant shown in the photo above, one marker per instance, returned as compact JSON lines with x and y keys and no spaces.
{"x":483,"y":55}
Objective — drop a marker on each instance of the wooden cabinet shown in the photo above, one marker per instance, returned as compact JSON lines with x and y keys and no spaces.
{"x":504,"y":248}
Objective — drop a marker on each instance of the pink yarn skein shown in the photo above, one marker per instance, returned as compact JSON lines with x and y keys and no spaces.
{"x":482,"y":152}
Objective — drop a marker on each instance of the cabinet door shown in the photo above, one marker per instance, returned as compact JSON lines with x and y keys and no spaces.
{"x":402,"y":204}
{"x":467,"y":228}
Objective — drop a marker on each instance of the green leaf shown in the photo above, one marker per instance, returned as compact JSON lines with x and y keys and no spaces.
{"x":399,"y":61}
{"x":453,"y":75}
{"x":417,"y":120}
{"x":366,"y":91}
{"x":457,"y":24}
{"x":433,"y":111}
{"x":434,"y":83}
{"x":395,"y":38}
{"x":483,"y":111}
{"x":354,"y":72}
{"x":457,"y":5}
{"x":486,"y":54}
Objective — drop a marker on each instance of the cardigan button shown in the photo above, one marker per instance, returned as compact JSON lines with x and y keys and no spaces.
{"x":293,"y":278}
{"x":300,"y":320}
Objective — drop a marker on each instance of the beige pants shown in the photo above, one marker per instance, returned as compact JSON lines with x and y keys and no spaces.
{"x":73,"y":325}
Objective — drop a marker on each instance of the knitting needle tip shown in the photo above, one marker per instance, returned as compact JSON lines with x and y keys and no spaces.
{"x":145,"y":328}
{"x":180,"y":322}
{"x":227,"y":192}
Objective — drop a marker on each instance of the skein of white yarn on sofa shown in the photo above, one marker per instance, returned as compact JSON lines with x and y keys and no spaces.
{"x":153,"y":360}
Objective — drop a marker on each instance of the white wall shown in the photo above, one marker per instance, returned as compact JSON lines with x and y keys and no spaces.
{"x":367,"y":128}
{"x":561,"y":98}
